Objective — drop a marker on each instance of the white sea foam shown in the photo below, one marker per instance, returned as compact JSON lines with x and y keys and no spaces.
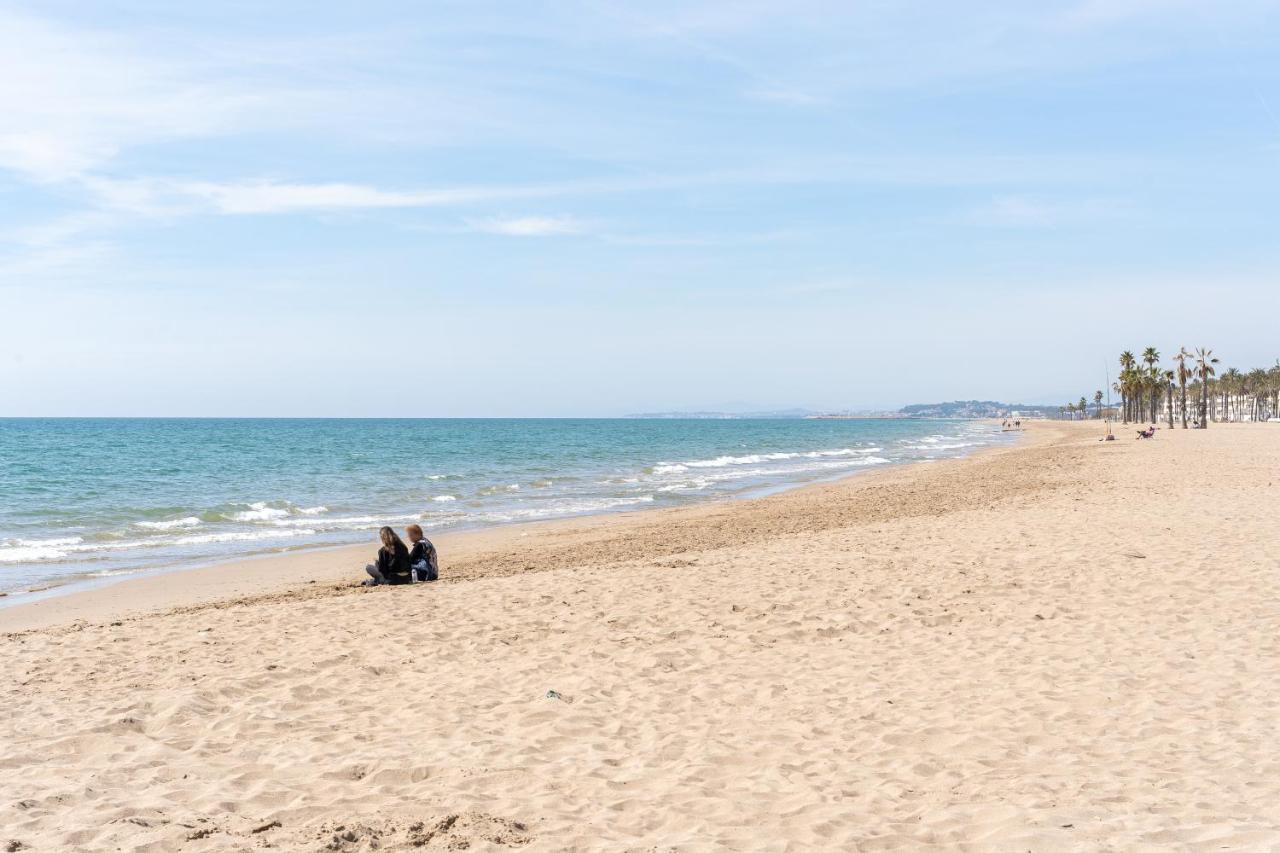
{"x":350,"y":522}
{"x":444,"y":498}
{"x":30,"y":553}
{"x":749,"y":459}
{"x":485,"y":491}
{"x":111,"y":573}
{"x":56,"y":542}
{"x":171,"y":524}
{"x":241,"y":536}
{"x":708,"y":479}
{"x":313,"y":510}
{"x":570,"y":508}
{"x":333,"y":521}
{"x":758,"y":458}
{"x":37,"y":550}
{"x":938,"y":445}
{"x":259,"y":511}
{"x":688,"y":485}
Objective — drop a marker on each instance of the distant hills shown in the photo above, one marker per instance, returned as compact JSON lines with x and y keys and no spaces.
{"x":953,"y":409}
{"x":977,"y":409}
{"x":726,"y":416}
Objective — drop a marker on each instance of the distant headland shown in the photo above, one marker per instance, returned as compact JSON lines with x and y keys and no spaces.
{"x":953,"y":409}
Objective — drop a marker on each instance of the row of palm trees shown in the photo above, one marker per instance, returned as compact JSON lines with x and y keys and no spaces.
{"x":1146,"y":388}
{"x":1080,"y":411}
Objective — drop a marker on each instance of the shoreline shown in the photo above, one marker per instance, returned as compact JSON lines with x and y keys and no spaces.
{"x":1064,"y":644}
{"x":156,"y":590}
{"x":152,"y":546}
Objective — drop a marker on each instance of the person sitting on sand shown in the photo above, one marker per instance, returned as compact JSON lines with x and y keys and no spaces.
{"x":422,"y":556}
{"x":392,"y":565}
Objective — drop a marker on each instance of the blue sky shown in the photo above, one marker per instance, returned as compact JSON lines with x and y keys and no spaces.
{"x":588,"y":208}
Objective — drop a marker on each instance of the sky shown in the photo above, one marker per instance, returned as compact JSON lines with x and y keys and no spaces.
{"x":592,"y":208}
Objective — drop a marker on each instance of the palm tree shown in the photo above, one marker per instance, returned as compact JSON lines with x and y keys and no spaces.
{"x":1204,"y":372}
{"x":1183,"y":376}
{"x":1273,"y":384}
{"x":1150,"y":357}
{"x":1158,"y":389}
{"x":1097,"y":403}
{"x":1259,"y":391}
{"x":1127,"y":361}
{"x":1083,"y":406}
{"x":1231,"y":385}
{"x":1167,"y":377}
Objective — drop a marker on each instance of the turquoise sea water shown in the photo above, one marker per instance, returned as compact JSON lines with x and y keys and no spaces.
{"x":95,"y":498}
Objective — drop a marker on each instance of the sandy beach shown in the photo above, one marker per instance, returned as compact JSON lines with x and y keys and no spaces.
{"x":1062,"y":645}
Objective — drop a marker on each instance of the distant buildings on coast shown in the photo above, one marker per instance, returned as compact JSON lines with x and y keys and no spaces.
{"x":976,"y":409}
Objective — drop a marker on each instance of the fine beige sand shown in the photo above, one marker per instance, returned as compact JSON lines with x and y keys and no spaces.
{"x":1068,"y":645}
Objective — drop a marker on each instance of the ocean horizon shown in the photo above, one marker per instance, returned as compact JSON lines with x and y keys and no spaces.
{"x":85,"y":500}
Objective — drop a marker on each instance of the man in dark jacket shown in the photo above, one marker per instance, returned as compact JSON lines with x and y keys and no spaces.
{"x":422,"y":555}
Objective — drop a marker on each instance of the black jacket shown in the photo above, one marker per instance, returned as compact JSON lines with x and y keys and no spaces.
{"x":424,"y":551}
{"x":394,"y":565}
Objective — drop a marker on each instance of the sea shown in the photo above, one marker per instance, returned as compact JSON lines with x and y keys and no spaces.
{"x":85,"y":501}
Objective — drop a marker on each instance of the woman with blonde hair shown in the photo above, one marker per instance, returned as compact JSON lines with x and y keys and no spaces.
{"x":392,"y":564}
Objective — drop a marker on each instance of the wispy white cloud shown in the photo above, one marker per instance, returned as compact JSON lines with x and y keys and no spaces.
{"x":167,"y":197}
{"x":528,"y":226}
{"x":791,"y":97}
{"x":73,"y":100}
{"x":46,"y":262}
{"x":818,"y":287}
{"x":273,"y":197}
{"x":57,"y":231}
{"x":1097,"y":13}
{"x":1015,"y":211}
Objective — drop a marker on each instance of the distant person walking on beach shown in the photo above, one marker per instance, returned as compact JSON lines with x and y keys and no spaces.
{"x":422,"y":555}
{"x":392,"y":564}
